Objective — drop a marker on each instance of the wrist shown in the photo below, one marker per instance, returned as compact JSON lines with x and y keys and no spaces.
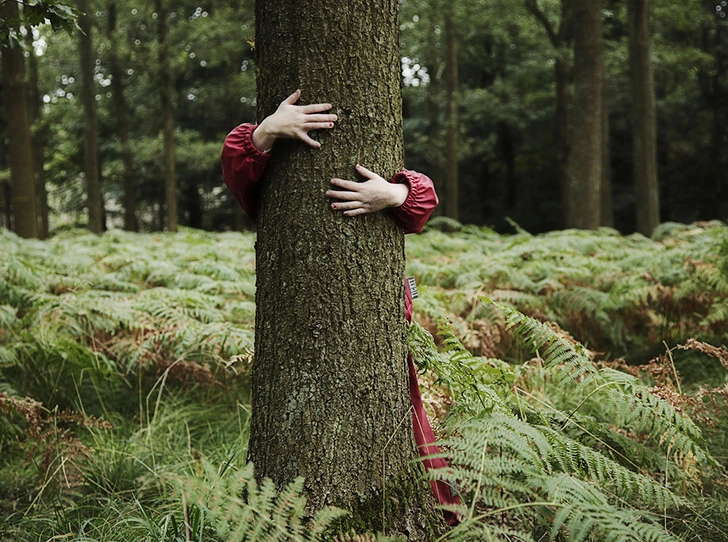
{"x":263,"y":137}
{"x":398,"y":194}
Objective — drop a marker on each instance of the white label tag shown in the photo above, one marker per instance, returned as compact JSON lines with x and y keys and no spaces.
{"x":412,"y":285}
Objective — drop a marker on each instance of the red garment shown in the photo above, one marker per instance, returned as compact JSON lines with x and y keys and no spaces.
{"x":243,"y":165}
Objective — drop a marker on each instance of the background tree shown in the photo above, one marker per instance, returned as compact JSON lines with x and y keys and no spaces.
{"x":121,"y":110}
{"x":90,"y":132}
{"x":644,"y":128}
{"x":452,"y":125}
{"x":583,"y":205}
{"x":165,"y":97}
{"x":21,"y":153}
{"x":330,"y":395}
{"x":38,"y":135}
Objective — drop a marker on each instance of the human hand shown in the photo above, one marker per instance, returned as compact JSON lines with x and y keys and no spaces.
{"x":371,"y":196}
{"x":293,"y":122}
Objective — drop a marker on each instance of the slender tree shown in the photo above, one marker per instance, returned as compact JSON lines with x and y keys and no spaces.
{"x":91,"y":138}
{"x":561,"y":38}
{"x":584,"y":193}
{"x":165,"y":96}
{"x":38,"y":136}
{"x":452,"y":127}
{"x":329,"y":384}
{"x":21,"y":151}
{"x":122,"y":124}
{"x":644,"y":124}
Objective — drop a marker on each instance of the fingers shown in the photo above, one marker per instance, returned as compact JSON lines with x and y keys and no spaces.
{"x":303,"y":136}
{"x":293,"y":98}
{"x":346,"y":196}
{"x":317,"y":126}
{"x":346,"y":185}
{"x":346,"y":205}
{"x":364,"y":172}
{"x":321,"y":118}
{"x":315,"y":108}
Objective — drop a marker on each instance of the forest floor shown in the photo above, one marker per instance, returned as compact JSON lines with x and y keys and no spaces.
{"x":590,"y":366}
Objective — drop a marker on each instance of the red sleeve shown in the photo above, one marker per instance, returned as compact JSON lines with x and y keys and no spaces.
{"x":243,"y":165}
{"x":420,"y":202}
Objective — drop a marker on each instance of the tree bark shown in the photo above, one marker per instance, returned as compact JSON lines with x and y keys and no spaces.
{"x":38,"y":129}
{"x":165,"y":95}
{"x":583,"y":208}
{"x":562,"y":126}
{"x":91,"y":141}
{"x":452,"y":196}
{"x":122,"y":124}
{"x":329,"y":383}
{"x":644,"y":129}
{"x":607,"y":203}
{"x":21,"y":152}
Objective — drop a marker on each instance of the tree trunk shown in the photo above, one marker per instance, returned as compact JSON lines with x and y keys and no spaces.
{"x":165,"y":95}
{"x":562,"y":126}
{"x":607,"y":204}
{"x":433,"y":116}
{"x":91,"y":142}
{"x":452,"y":196}
{"x":644,"y":130}
{"x":38,"y":130}
{"x":329,"y":384}
{"x":21,"y":152}
{"x":584,"y":194}
{"x":122,"y":125}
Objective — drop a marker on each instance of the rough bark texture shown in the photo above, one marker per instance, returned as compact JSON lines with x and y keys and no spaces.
{"x":165,"y":96}
{"x":21,"y":154}
{"x":91,"y":141}
{"x":452,"y":193}
{"x":38,"y":130}
{"x":330,"y":397}
{"x":585,"y":176}
{"x":122,"y":124}
{"x":607,"y":203}
{"x":644,"y":128}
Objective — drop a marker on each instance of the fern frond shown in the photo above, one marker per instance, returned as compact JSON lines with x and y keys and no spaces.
{"x":242,"y":510}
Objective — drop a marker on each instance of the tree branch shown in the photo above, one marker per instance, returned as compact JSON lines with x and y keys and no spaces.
{"x":533,"y":8}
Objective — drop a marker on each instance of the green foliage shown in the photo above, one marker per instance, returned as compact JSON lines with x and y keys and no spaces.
{"x":242,"y":510}
{"x":153,"y":333}
{"x":529,"y":457}
{"x":60,"y":15}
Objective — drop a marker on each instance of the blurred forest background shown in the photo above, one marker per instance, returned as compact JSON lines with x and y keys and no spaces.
{"x":538,"y":111}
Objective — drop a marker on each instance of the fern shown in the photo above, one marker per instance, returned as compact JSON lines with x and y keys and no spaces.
{"x":242,"y":510}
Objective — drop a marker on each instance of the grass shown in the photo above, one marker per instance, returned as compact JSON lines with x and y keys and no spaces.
{"x":124,"y":365}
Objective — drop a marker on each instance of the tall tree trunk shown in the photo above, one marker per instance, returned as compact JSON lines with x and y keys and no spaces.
{"x":452,"y":195}
{"x":91,"y":140}
{"x":607,"y":204}
{"x":644,"y":129}
{"x":165,"y":95}
{"x":562,"y":126}
{"x":329,"y":383}
{"x":21,"y":150}
{"x":122,"y":124}
{"x":584,"y":191}
{"x":433,"y":116}
{"x":38,"y":130}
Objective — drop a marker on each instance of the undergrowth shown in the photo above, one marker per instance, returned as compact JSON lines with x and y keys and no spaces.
{"x":124,"y":363}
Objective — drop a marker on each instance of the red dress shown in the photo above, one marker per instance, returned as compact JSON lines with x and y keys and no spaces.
{"x":243,"y":165}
